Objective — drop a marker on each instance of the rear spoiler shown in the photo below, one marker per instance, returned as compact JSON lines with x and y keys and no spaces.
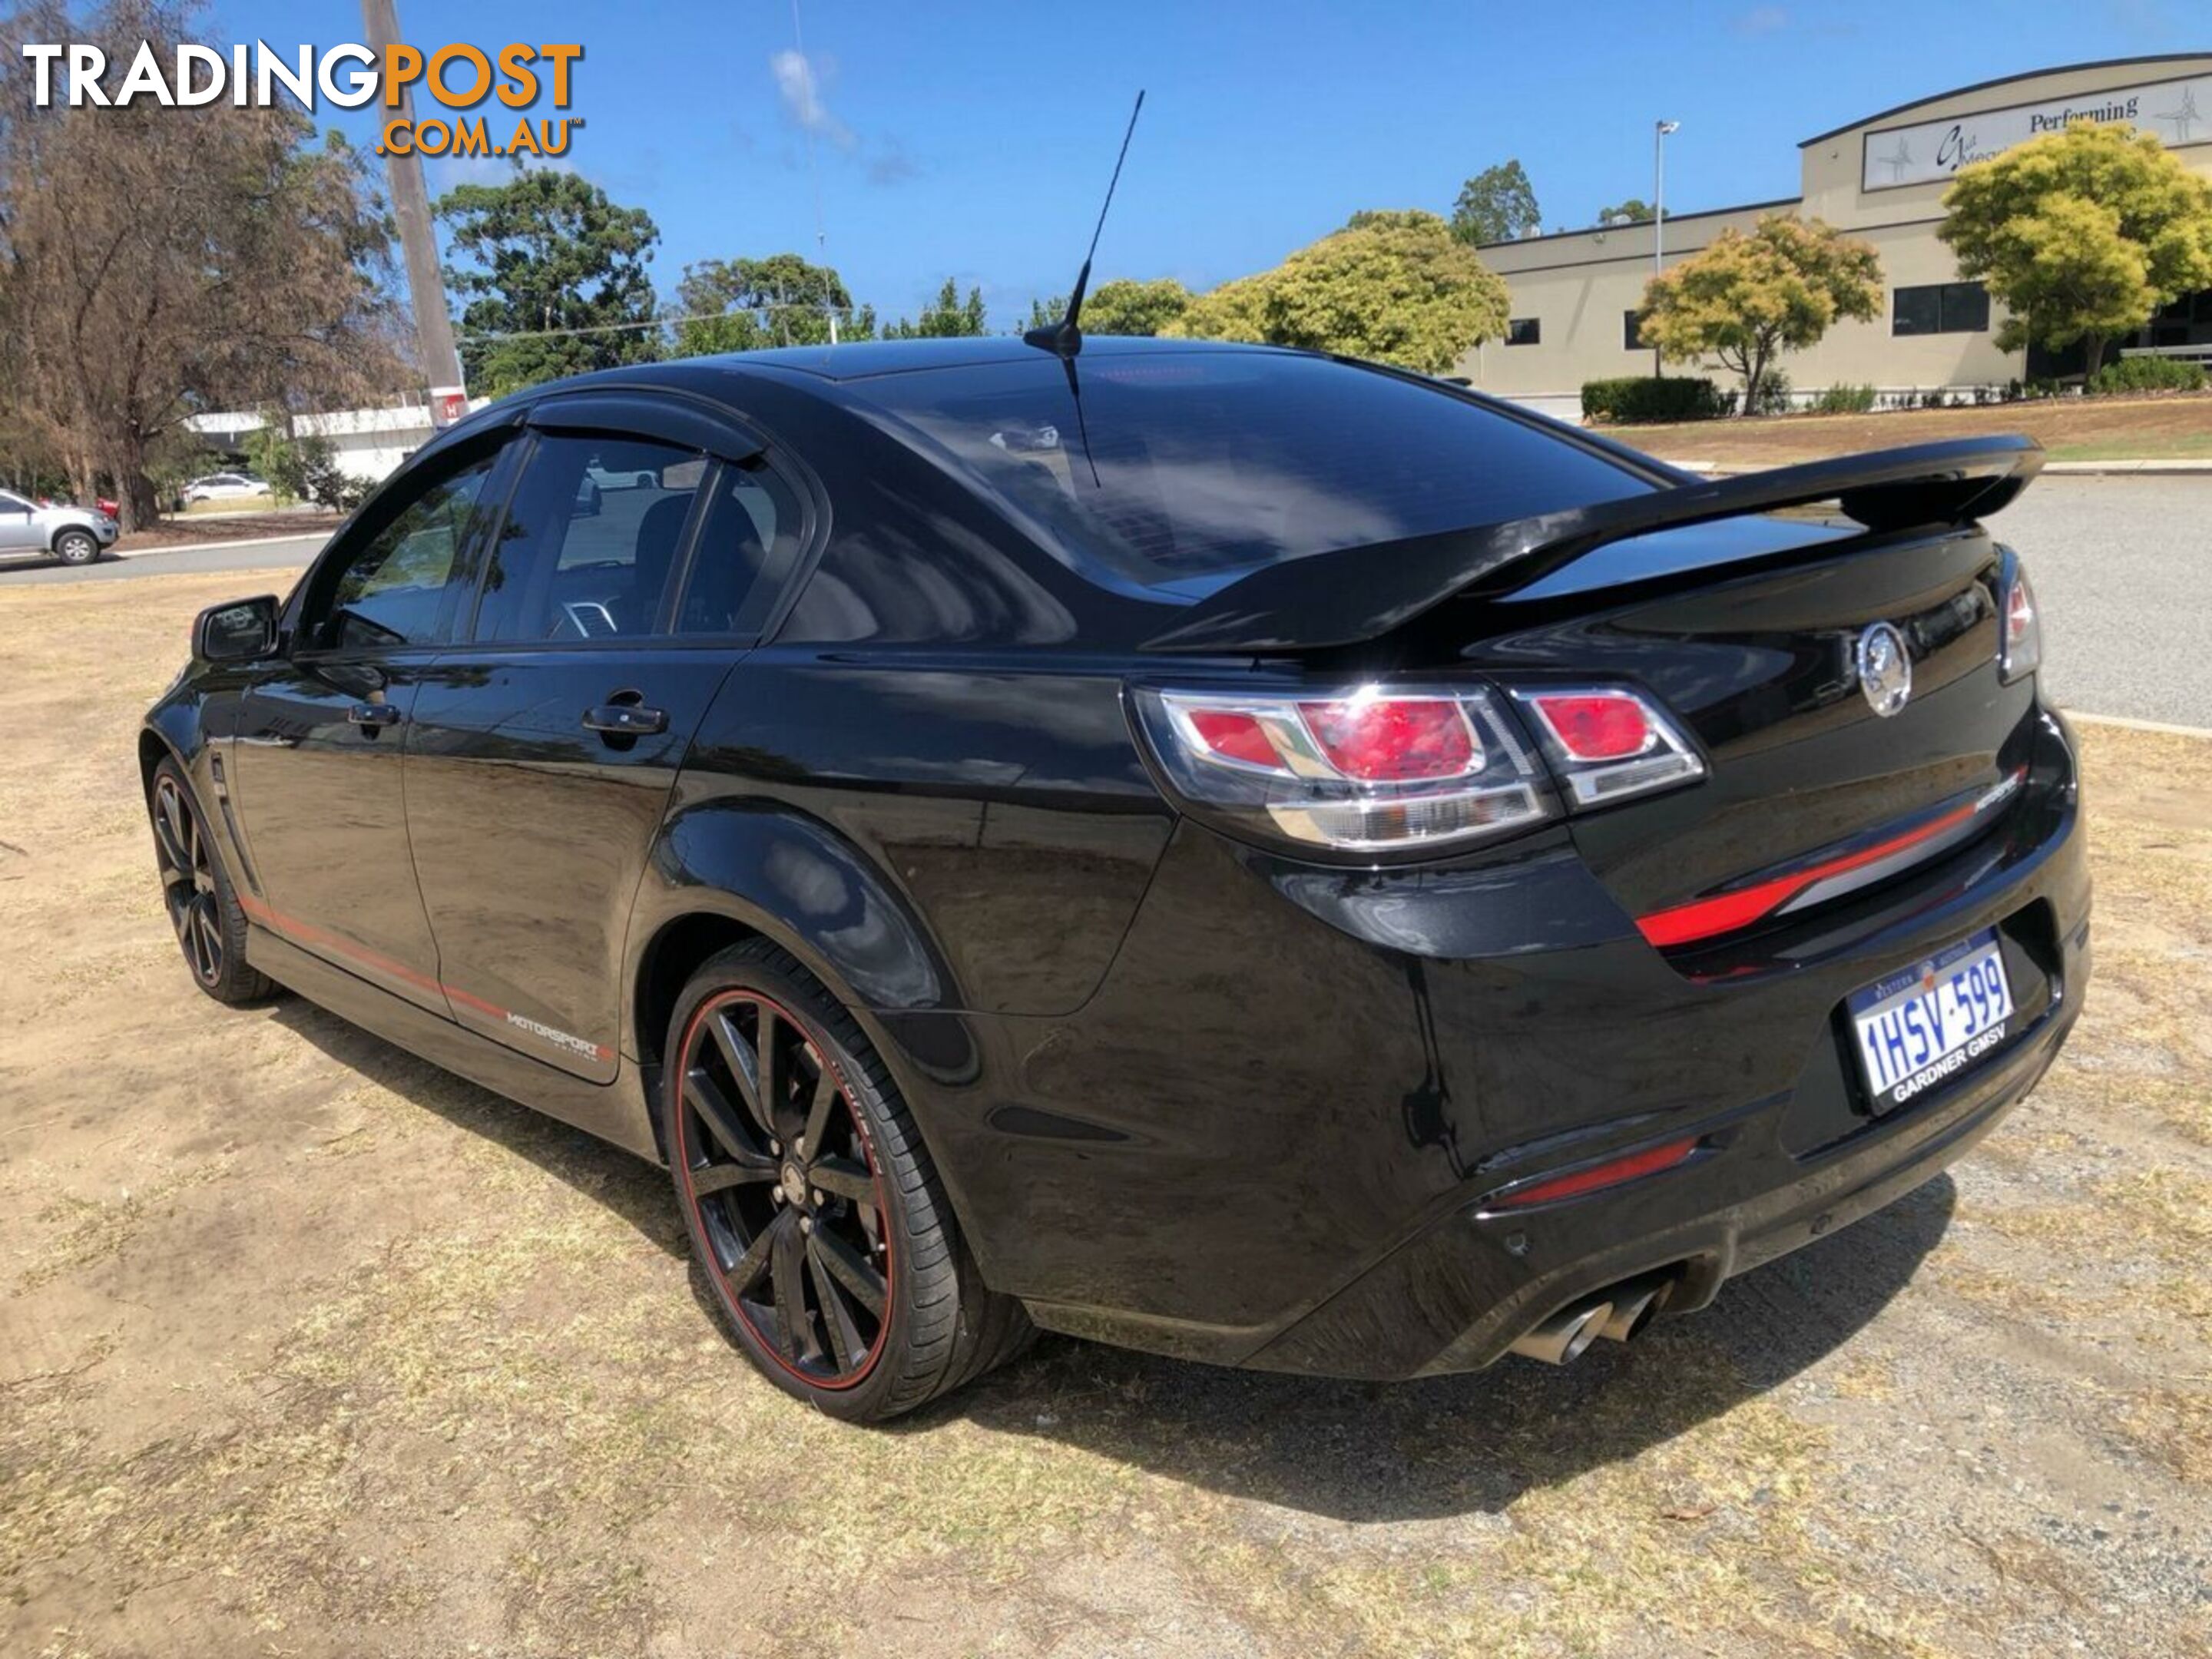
{"x":1357,"y":593}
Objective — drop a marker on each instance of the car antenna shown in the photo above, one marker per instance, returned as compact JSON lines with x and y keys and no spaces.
{"x":1064,"y":338}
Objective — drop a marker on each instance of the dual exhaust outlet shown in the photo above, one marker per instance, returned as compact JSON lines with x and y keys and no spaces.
{"x":1619,"y":1314}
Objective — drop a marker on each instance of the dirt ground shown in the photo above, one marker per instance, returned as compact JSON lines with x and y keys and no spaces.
{"x":2072,"y":428}
{"x":306,"y":1348}
{"x":224,"y":523}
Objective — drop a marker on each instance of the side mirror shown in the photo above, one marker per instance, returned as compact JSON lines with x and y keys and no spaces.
{"x":237,"y":632}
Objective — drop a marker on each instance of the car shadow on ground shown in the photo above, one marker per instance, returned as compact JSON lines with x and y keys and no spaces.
{"x":1355,"y":1452}
{"x":627,"y":1186}
{"x":1449,"y":1446}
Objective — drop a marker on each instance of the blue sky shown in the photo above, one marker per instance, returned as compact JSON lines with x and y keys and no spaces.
{"x":973,"y":139}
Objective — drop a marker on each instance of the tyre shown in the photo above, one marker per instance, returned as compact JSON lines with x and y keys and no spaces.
{"x":814,"y":1208}
{"x":76,"y":547}
{"x":204,"y":912}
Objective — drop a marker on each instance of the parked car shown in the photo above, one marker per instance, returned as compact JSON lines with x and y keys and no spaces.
{"x":224,"y":487}
{"x":624,"y":478}
{"x":1257,"y":857}
{"x":74,"y":535}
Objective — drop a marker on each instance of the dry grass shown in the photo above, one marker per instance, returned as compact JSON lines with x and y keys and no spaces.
{"x":307,"y":1348}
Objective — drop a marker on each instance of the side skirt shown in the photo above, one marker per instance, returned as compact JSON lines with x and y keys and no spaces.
{"x":615,"y":1112}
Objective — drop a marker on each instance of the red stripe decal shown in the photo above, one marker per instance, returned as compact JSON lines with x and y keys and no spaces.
{"x":1704,"y":918}
{"x":302,"y":933}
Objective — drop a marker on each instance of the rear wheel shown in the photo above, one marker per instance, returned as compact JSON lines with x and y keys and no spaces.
{"x":76,"y":547}
{"x":812,"y":1205}
{"x":203,"y":913}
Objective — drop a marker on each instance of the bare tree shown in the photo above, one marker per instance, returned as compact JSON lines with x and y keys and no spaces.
{"x":158,"y":262}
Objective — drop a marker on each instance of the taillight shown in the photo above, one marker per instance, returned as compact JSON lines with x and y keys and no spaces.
{"x":1607,"y":742}
{"x":2022,"y":651}
{"x":1376,"y":769}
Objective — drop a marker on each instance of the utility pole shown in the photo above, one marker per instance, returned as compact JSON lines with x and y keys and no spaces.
{"x":410,"y":206}
{"x":1659,"y":131}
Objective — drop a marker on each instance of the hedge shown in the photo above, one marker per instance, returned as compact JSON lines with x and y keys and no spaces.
{"x":1639,"y":398}
{"x":2140,"y":375}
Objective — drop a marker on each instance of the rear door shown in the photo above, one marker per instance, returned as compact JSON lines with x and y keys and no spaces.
{"x":544,"y":742}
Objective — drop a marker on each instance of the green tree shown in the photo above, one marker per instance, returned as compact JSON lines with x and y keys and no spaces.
{"x":1633,"y":212}
{"x":949,"y":317}
{"x":2083,"y":234}
{"x":1401,"y":290}
{"x":1126,"y":306}
{"x":743,"y":305}
{"x":156,"y":262}
{"x":1047,"y":314}
{"x":1746,"y":299}
{"x":554,"y":274}
{"x":1497,"y":204}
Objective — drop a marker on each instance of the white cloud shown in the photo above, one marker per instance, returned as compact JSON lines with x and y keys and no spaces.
{"x":1762,"y":20}
{"x":798,"y":81}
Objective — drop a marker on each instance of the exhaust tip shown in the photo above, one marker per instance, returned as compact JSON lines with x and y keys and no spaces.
{"x":1635,"y":1305}
{"x":1566,"y":1334}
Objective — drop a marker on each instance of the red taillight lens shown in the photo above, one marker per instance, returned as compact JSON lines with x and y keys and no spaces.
{"x":1235,"y":736}
{"x":2023,"y":652}
{"x":1600,"y":726}
{"x":1376,"y":770}
{"x":1608,"y":742}
{"x":1393,"y":739}
{"x":1611,"y":1173}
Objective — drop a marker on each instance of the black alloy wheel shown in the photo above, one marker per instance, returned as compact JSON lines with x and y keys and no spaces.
{"x":209,"y":927}
{"x":813,"y":1209}
{"x":187,"y":881}
{"x":780,"y":1173}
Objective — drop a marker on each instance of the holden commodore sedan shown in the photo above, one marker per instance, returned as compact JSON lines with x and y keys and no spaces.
{"x":1227,"y":851}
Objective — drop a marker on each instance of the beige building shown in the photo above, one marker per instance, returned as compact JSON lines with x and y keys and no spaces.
{"x":1882,"y":179}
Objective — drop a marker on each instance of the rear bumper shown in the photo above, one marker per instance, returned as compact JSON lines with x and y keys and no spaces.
{"x":1748,"y":1204}
{"x":1270,"y":1137}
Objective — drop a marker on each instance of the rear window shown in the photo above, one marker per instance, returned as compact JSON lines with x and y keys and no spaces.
{"x":1183,"y":469}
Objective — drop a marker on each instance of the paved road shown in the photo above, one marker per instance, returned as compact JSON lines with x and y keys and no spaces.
{"x":2122,"y":565}
{"x":286,"y":554}
{"x":2124,"y":568}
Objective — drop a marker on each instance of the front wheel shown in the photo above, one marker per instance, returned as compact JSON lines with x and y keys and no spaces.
{"x":204,"y":913}
{"x":76,"y":547}
{"x":814,"y":1208}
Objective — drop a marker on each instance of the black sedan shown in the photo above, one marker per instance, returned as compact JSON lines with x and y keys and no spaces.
{"x":1253,"y":856}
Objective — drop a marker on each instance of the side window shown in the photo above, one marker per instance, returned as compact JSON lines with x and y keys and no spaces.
{"x":590,"y":540}
{"x":387,"y":592}
{"x":751,"y":532}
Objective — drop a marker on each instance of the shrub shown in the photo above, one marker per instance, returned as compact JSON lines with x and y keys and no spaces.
{"x":2148,"y":375}
{"x":1772,"y":397}
{"x":1637,"y":398}
{"x":1841,"y":399}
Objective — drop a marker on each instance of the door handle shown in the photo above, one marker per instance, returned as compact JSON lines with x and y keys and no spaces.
{"x":374,"y":715}
{"x":625,"y":719}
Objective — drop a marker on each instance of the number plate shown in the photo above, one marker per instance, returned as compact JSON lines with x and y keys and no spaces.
{"x":1923,"y":1025}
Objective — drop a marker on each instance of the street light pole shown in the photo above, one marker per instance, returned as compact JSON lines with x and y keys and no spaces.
{"x":1659,"y":131}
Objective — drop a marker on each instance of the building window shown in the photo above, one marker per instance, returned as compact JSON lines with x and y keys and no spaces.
{"x":1524,"y":331}
{"x":1631,"y":332}
{"x":1941,"y":308}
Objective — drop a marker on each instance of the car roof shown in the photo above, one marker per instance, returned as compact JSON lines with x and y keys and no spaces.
{"x":865,"y":359}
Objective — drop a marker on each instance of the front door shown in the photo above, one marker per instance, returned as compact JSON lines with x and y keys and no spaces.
{"x":545,"y":741}
{"x":316,"y":758}
{"x":19,"y":525}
